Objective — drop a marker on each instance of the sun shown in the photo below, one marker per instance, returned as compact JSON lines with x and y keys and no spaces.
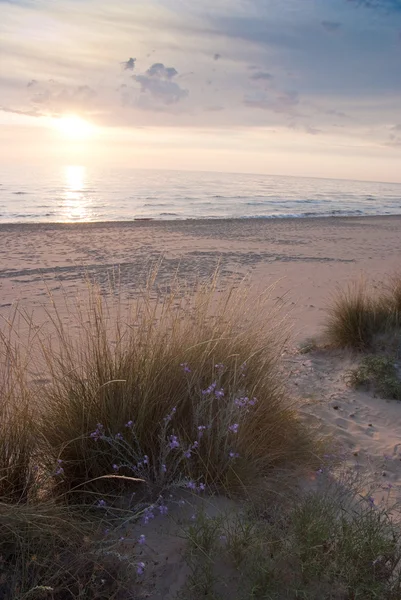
{"x":74,"y":127}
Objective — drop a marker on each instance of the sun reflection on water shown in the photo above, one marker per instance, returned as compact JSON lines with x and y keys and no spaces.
{"x":75,"y":202}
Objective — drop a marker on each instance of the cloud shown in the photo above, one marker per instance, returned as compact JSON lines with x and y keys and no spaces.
{"x":57,"y":98}
{"x":331,"y":26}
{"x":27,"y":113}
{"x":129,"y":65}
{"x":159,"y":70}
{"x":337,"y":113}
{"x":163,"y":91}
{"x":388,"y":5}
{"x":280,"y":102}
{"x":261,"y":76}
{"x":157,"y":88}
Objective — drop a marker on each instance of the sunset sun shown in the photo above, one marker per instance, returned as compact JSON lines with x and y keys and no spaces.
{"x":74,"y":127}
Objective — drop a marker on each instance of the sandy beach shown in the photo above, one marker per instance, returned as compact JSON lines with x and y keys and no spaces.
{"x":305,"y":258}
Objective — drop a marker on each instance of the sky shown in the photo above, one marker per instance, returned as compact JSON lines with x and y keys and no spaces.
{"x":292,"y":87}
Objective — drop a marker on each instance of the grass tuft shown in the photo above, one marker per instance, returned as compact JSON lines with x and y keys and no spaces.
{"x":185,"y":386}
{"x":357,"y":316}
{"x":354,"y":318}
{"x":324,"y":547}
{"x":381,"y":373}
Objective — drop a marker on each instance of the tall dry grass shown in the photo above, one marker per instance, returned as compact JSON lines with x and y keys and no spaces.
{"x":165,"y":391}
{"x":359,"y":313}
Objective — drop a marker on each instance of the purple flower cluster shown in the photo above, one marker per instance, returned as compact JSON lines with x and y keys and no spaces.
{"x":234,"y":428}
{"x":130,"y":424}
{"x":174,"y":442}
{"x":185,"y":367}
{"x":148,"y":514}
{"x":98,"y":433}
{"x":140,"y":568}
{"x":101,"y":504}
{"x":168,"y":418}
{"x":219,"y":367}
{"x":233,"y":455}
{"x":210,"y":389}
{"x":244,"y":402}
{"x":201,"y":430}
{"x":191,"y":485}
{"x":59,"y":470}
{"x":188,"y":453}
{"x":119,"y":436}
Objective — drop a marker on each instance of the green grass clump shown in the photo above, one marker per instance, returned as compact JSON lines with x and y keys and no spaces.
{"x":323,"y":548}
{"x":166,"y":392}
{"x":380,"y":372}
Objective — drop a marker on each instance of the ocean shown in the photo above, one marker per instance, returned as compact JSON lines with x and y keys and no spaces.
{"x":77,"y":194}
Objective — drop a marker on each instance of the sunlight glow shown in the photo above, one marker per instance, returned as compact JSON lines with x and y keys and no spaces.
{"x":75,"y":203}
{"x":74,"y":127}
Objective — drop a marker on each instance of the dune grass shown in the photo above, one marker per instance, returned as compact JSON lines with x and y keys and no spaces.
{"x":182,"y":389}
{"x":324,"y":546}
{"x":380,"y":372}
{"x":359,"y":314}
{"x":183,"y":386}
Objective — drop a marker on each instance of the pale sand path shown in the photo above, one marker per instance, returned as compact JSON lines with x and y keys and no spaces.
{"x":309,"y":257}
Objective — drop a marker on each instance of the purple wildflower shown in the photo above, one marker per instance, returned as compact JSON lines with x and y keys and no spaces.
{"x":142,"y":540}
{"x":219,"y":366}
{"x":185,"y":367}
{"x":129,"y":424}
{"x":121,"y":539}
{"x":219,"y":393}
{"x":210,"y":389}
{"x":371,"y":500}
{"x":59,"y":471}
{"x":101,"y":503}
{"x":163,"y":509}
{"x":202,"y":487}
{"x":168,"y":418}
{"x":187,"y":453}
{"x":148,"y":515}
{"x":233,"y":455}
{"x":115,"y":467}
{"x":201,"y":430}
{"x":234,"y":428}
{"x":181,"y":502}
{"x":140,"y":568}
{"x":191,"y":485}
{"x":98,"y":433}
{"x":119,"y":436}
{"x":195,"y":445}
{"x":174,"y":443}
{"x":146,"y":460}
{"x":164,"y":468}
{"x":319,"y":471}
{"x":244,"y":402}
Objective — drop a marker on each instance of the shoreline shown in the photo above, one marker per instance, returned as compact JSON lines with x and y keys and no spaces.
{"x":154,"y":221}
